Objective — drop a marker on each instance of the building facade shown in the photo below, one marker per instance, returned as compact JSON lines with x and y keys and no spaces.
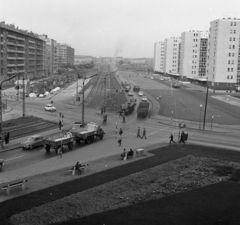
{"x":22,"y":52}
{"x":51,"y":56}
{"x":193,"y":59}
{"x":171,"y":52}
{"x":158,"y":58}
{"x":224,"y":55}
{"x":65,"y":54}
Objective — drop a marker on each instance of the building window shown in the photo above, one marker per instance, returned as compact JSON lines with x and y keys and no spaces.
{"x":230,"y":39}
{"x":229,"y":62}
{"x":228,"y":77}
{"x":234,"y":31}
{"x":233,"y":46}
{"x":229,"y":54}
{"x":235,"y":23}
{"x":231,"y":69}
{"x":231,"y":77}
{"x":228,"y":69}
{"x":231,"y":24}
{"x":232,"y":61}
{"x":234,"y":39}
{"x":230,"y":46}
{"x":230,"y":31}
{"x":233,"y":54}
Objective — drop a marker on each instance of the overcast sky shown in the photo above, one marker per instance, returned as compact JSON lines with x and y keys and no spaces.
{"x":125,"y":28}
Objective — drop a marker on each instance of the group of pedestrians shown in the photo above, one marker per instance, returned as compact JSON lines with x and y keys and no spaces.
{"x":182,"y":138}
{"x":143,"y":135}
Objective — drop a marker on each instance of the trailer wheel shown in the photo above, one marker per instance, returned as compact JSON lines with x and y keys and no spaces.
{"x":70,"y":146}
{"x":88,"y":140}
{"x":47,"y":148}
{"x":78,"y":140}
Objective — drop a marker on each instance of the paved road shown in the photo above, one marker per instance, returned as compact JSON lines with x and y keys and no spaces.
{"x":21,"y":164}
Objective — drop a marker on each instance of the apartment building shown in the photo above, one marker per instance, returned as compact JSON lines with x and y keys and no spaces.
{"x":65,"y":54}
{"x":50,"y":55}
{"x":171,"y":52}
{"x":193,"y":59}
{"x":21,"y":52}
{"x":224,"y":55}
{"x":158,"y":57}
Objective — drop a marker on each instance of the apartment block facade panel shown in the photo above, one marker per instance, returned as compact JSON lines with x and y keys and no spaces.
{"x":65,"y":54}
{"x":224,"y":54}
{"x":158,"y":64}
{"x":171,"y":55}
{"x":21,"y":52}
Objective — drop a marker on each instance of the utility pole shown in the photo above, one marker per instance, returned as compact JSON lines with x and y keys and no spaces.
{"x":24,"y":106}
{"x":77,"y":88}
{"x":205,"y":110}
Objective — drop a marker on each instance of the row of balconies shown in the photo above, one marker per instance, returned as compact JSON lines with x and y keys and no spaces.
{"x":15,"y":37}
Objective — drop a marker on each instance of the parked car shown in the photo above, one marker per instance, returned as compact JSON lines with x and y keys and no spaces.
{"x":41,"y":96}
{"x":130,"y":93}
{"x":140,"y":93}
{"x":33,"y":141}
{"x":161,"y":78}
{"x":50,"y":107}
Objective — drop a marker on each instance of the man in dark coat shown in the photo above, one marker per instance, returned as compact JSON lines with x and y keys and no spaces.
{"x":144,"y":133}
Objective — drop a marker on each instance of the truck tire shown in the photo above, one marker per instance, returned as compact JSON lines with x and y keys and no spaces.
{"x":77,"y":140}
{"x":47,"y":148}
{"x":88,"y":140}
{"x":70,"y":146}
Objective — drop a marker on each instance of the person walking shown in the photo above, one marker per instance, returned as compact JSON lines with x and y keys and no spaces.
{"x":120,"y":140}
{"x":5,"y":137}
{"x":144,"y":133}
{"x":171,"y":139}
{"x":60,"y":124}
{"x":181,"y":139}
{"x":120,"y":131}
{"x":60,"y":152}
{"x":8,"y":136}
{"x":138,"y":133}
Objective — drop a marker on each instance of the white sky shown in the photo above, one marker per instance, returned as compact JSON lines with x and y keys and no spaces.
{"x":125,"y":28}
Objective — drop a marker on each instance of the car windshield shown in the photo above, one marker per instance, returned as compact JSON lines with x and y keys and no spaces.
{"x":31,"y":139}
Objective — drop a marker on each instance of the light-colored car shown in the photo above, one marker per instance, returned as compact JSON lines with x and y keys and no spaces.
{"x":144,"y":98}
{"x":161,"y":78}
{"x":50,"y":107}
{"x":41,"y":96}
{"x":130,"y":93}
{"x":151,"y":78}
{"x":140,"y":93}
{"x":33,"y":141}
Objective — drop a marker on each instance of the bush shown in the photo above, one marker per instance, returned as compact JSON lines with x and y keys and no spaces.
{"x":224,"y":170}
{"x":235,"y":176}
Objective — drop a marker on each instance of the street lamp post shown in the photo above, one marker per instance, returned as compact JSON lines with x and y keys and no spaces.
{"x":1,"y":127}
{"x":205,"y":110}
{"x":171,"y":117}
{"x":200,"y":116}
{"x":212,"y":122}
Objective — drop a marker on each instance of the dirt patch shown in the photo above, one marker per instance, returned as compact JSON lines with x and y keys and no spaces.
{"x":181,"y":175}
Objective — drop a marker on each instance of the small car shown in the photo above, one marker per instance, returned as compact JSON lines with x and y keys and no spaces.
{"x":162,"y":78}
{"x":1,"y":163}
{"x":140,"y":93}
{"x":130,"y":93}
{"x":32,"y":141}
{"x":50,"y":107}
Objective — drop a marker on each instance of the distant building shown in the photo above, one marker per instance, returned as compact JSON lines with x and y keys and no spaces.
{"x":65,"y":54}
{"x":158,"y":58}
{"x":171,"y":51}
{"x":138,"y":61}
{"x":21,"y":52}
{"x":224,"y":53}
{"x":51,"y":55}
{"x":193,"y":58}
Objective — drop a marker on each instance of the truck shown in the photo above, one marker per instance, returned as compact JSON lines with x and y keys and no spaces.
{"x":127,"y":108}
{"x":87,"y":133}
{"x":143,"y":109}
{"x":127,"y":87}
{"x":56,"y":141}
{"x":136,"y":88}
{"x":175,"y":84}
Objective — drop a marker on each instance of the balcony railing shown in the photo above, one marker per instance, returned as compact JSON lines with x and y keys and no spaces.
{"x":11,"y":36}
{"x":19,"y":38}
{"x":11,"y":65}
{"x":11,"y":43}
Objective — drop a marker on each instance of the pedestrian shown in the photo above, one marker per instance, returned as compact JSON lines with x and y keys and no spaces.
{"x":120,"y":140}
{"x":124,"y":153}
{"x":138,"y":133}
{"x":181,"y":139}
{"x":60,"y":152}
{"x":144,"y":133}
{"x":5,"y":137}
{"x":60,"y":124}
{"x":120,"y":131}
{"x":171,"y":139}
{"x":8,"y":137}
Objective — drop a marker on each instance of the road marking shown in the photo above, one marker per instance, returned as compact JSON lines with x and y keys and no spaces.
{"x":13,"y":158}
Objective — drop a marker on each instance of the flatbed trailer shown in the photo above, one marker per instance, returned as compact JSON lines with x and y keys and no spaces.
{"x":88,"y":133}
{"x":55,"y":142}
